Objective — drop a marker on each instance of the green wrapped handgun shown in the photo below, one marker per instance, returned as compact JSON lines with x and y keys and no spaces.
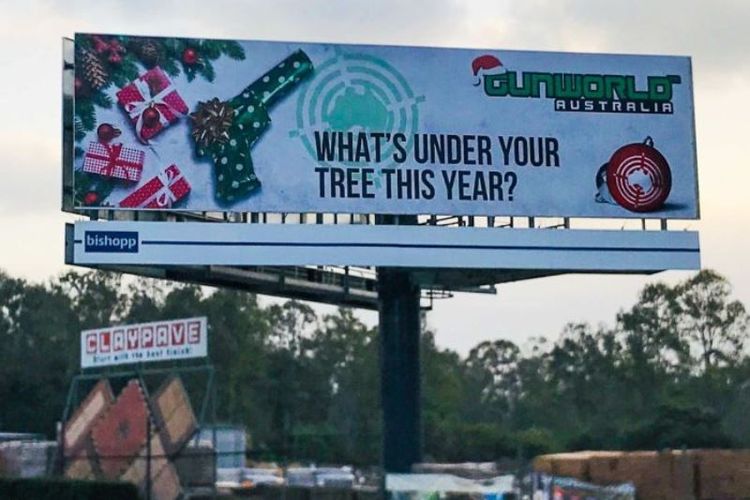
{"x":228,"y":130}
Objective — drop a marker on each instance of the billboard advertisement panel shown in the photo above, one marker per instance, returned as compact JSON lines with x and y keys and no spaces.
{"x":144,"y":342}
{"x":223,"y":125}
{"x":196,"y":243}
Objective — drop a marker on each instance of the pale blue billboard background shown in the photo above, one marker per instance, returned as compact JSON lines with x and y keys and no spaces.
{"x":442,"y":100}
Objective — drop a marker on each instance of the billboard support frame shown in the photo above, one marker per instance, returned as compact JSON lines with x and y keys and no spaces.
{"x":399,"y":329}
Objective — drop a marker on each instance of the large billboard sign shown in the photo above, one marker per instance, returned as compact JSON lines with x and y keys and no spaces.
{"x":217,"y":125}
{"x":196,"y":243}
{"x":144,"y":342}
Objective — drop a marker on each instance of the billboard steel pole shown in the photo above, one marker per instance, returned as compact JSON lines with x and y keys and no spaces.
{"x":399,"y":328}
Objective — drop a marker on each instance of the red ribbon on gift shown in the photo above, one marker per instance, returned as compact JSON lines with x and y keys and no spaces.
{"x":113,"y":160}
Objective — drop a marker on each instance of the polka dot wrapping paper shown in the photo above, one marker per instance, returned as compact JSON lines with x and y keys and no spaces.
{"x":233,"y":167}
{"x":151,"y":90}
{"x":296,"y":127}
{"x":162,"y":191}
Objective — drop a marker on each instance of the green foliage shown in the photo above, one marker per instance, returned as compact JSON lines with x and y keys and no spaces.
{"x":79,"y":131}
{"x":167,"y":53}
{"x":672,"y":372}
{"x":535,"y":441}
{"x":170,"y":67}
{"x":679,"y":426}
{"x":64,"y":489}
{"x":233,"y":50}
{"x":91,"y":183}
{"x":211,"y":49}
{"x":125,"y":72}
{"x":102,"y":100}
{"x":208,"y":71}
{"x":85,"y":114}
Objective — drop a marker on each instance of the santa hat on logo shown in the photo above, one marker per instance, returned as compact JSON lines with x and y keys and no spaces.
{"x":487,"y":65}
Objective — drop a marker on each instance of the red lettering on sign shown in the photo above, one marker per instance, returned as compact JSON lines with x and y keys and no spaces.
{"x":147,"y":337}
{"x":91,"y":343}
{"x":133,"y":340}
{"x":162,"y":335}
{"x":178,"y":333}
{"x":118,"y":340}
{"x":193,"y":332}
{"x":105,"y":341}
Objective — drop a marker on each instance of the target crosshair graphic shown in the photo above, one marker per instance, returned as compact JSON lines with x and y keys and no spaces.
{"x":639,"y":177}
{"x":357,"y":93}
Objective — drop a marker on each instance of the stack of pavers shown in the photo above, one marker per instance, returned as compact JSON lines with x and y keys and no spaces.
{"x":79,"y":456}
{"x":108,"y":438}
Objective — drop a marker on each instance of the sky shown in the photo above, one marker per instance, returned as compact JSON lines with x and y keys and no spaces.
{"x":715,"y":34}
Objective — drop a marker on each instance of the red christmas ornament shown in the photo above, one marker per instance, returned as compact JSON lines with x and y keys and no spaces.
{"x":638,"y":177}
{"x":80,"y":87}
{"x":100,"y":46}
{"x":190,"y":56}
{"x":111,"y":46}
{"x":90,"y":198}
{"x":106,"y":132}
{"x":150,"y":117}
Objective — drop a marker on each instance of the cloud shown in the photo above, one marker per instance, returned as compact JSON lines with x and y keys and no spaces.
{"x":31,"y":180}
{"x":714,"y":33}
{"x":333,"y":21}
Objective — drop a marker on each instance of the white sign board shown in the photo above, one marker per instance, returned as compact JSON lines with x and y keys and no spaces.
{"x":196,"y":243}
{"x":303,"y":127}
{"x":144,"y":342}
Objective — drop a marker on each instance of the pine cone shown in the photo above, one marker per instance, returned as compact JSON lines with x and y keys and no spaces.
{"x":94,"y":71}
{"x":149,"y":53}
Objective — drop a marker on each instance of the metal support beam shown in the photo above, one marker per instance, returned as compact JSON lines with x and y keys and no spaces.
{"x":399,"y":317}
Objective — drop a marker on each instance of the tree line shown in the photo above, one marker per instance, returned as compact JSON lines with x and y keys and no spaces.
{"x":672,"y":371}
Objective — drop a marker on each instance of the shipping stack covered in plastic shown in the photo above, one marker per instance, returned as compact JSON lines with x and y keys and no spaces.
{"x":27,"y":458}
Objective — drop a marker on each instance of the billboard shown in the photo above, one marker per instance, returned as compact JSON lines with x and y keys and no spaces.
{"x":144,"y":342}
{"x":196,"y":243}
{"x":224,"y":125}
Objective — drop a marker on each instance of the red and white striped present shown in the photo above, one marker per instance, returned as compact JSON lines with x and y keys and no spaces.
{"x":114,"y":160}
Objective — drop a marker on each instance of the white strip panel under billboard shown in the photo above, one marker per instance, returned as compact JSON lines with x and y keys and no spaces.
{"x":224,"y":125}
{"x":195,"y":243}
{"x":144,"y":342}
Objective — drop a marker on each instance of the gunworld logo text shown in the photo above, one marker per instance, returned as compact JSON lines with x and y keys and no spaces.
{"x":574,"y":92}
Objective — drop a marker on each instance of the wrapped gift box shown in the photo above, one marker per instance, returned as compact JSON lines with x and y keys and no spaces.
{"x":152,"y":102}
{"x":114,"y":160}
{"x":161,"y":191}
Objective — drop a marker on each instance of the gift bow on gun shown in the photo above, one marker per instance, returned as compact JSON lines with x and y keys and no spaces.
{"x":228,"y":130}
